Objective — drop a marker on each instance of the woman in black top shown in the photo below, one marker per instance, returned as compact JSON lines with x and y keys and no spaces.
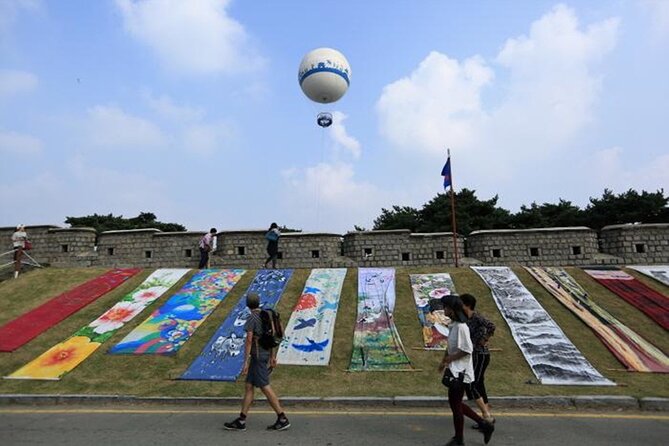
{"x":272,"y":237}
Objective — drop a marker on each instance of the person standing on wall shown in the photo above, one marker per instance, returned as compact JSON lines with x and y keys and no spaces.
{"x":206,"y":244}
{"x":458,"y":371}
{"x":214,"y":246}
{"x":481,"y":330}
{"x":19,"y":241}
{"x":258,"y":364}
{"x":272,"y":237}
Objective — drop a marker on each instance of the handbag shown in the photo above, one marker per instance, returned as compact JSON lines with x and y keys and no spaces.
{"x":450,"y":380}
{"x":27,"y":245}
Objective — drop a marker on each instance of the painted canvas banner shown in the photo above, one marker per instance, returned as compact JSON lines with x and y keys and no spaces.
{"x":19,"y":331}
{"x":171,"y":325}
{"x":435,"y":324}
{"x":65,"y":356}
{"x":376,"y":343}
{"x":657,"y":272}
{"x":632,"y":350}
{"x":650,"y":302}
{"x":310,"y":330}
{"x":222,"y":358}
{"x":549,"y":353}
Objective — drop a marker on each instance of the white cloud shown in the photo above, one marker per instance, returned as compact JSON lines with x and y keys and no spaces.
{"x":110,"y":127}
{"x":10,"y":10}
{"x":612,"y":171}
{"x":206,"y":139}
{"x":166,"y":108}
{"x":191,"y":37}
{"x":328,"y":197}
{"x":546,"y":95}
{"x":13,"y":82}
{"x":341,"y":137}
{"x":439,"y":103}
{"x":19,"y":144}
{"x":659,"y":14}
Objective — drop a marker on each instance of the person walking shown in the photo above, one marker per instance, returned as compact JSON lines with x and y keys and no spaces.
{"x":481,"y":330}
{"x":258,"y":364}
{"x":205,"y":245}
{"x":272,"y":235}
{"x":458,"y":371}
{"x":19,"y":240}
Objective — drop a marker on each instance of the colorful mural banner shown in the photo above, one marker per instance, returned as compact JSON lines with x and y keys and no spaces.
{"x":171,"y":325}
{"x":309,"y":333}
{"x":650,"y":302}
{"x":553,"y":358}
{"x":657,"y":272}
{"x":65,"y":356}
{"x":21,"y":330}
{"x":376,"y":342}
{"x":222,"y":358}
{"x":632,"y":350}
{"x":426,"y":287}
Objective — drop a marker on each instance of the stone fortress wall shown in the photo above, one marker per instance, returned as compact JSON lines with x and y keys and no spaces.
{"x":151,"y":248}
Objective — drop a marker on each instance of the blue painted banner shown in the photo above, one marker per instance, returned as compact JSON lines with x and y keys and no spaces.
{"x":222,"y":358}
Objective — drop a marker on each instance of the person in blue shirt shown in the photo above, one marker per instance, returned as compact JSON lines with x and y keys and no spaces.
{"x":272,"y":237}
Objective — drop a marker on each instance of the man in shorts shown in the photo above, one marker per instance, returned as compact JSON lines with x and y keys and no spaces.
{"x":258,"y":364}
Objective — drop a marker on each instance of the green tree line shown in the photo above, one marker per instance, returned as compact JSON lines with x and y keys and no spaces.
{"x":475,"y":214}
{"x":114,"y":223}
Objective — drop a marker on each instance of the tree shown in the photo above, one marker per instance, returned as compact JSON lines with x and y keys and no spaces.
{"x":472,"y":214}
{"x":548,"y":215}
{"x":628,"y":207}
{"x":404,"y":217}
{"x":111,"y":222}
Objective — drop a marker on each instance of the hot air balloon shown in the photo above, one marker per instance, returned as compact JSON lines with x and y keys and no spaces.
{"x":324,"y":77}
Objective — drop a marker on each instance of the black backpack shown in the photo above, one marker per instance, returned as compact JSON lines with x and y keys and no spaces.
{"x":272,"y":331}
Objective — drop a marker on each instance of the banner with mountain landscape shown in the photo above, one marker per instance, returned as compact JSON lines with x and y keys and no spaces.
{"x":550,"y":354}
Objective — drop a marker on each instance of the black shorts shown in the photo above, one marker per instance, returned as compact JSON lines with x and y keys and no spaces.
{"x":259,"y":370}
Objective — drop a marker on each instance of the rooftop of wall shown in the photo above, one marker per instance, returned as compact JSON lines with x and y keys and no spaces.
{"x":283,"y":234}
{"x":531,"y":230}
{"x":634,"y":226}
{"x":433,"y":234}
{"x":131,"y":231}
{"x":82,"y":229}
{"x":180,"y":233}
{"x":386,"y":231}
{"x":29,"y":227}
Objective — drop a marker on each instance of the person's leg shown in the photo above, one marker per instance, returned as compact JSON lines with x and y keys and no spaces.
{"x":18,"y":256}
{"x":274,"y":261}
{"x":455,"y":394}
{"x":248,"y":399}
{"x":487,"y":414}
{"x":272,"y":399}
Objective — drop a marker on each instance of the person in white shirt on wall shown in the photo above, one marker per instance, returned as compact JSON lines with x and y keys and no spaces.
{"x":19,"y":240}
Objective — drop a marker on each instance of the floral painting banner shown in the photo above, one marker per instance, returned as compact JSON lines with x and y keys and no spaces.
{"x":171,"y":325}
{"x":657,"y":272}
{"x":426,"y":287}
{"x":222,"y":358}
{"x":65,"y":356}
{"x":21,"y":330}
{"x":376,"y":343}
{"x":551,"y":355}
{"x":632,"y":350}
{"x":309,"y":333}
{"x":650,"y":302}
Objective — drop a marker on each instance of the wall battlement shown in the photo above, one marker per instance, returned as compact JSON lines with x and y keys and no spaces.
{"x":151,"y":248}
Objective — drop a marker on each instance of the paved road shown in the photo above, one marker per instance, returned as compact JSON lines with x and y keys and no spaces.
{"x":202,"y":426}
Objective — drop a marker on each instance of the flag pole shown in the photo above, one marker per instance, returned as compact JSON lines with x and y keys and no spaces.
{"x":455,"y":237}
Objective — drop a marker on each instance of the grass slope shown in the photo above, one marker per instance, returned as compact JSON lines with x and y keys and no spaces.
{"x":508,"y":374}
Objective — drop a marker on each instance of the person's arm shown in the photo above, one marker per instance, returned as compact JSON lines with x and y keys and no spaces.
{"x":457,"y":354}
{"x":247,"y":351}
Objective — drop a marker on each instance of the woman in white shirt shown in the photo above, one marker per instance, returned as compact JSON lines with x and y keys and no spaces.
{"x":19,"y":238}
{"x":460,"y":373}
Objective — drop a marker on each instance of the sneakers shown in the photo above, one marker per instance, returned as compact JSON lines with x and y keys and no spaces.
{"x":236,"y":425}
{"x":280,"y":425}
{"x":486,"y":429}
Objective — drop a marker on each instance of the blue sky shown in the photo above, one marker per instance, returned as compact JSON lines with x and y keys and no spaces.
{"x":192,"y":110}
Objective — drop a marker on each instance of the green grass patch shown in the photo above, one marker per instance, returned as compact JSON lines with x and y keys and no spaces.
{"x":148,"y":375}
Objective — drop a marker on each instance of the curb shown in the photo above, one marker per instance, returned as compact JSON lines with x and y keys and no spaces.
{"x":604,"y":402}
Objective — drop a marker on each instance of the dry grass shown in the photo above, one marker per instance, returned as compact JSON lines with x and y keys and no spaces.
{"x":509,"y":374}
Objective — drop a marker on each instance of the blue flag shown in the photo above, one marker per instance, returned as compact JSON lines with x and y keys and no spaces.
{"x":446,"y":173}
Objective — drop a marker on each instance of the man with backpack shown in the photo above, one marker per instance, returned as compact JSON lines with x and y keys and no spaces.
{"x":263,"y":334}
